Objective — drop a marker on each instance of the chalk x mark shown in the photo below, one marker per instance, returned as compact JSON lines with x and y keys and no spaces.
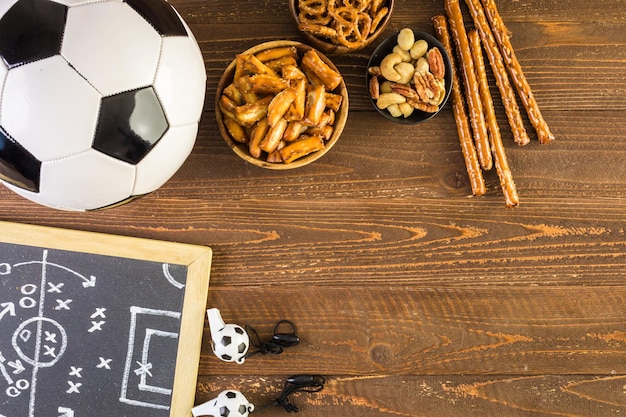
{"x":49,"y":351}
{"x":75,"y":371}
{"x":63,"y":304}
{"x":50,"y":336}
{"x":144,"y":368}
{"x":96,"y":326}
{"x":99,"y":313}
{"x":74,"y":387}
{"x":52,"y":288}
{"x":104,"y":363}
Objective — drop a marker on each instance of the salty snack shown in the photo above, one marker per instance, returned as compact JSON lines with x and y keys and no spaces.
{"x":467,"y":73}
{"x":502,"y":80}
{"x":409,"y":78}
{"x":477,"y":182}
{"x":440,"y":24}
{"x":499,"y":155}
{"x":349,"y":23}
{"x":501,"y":34}
{"x":281,"y":103}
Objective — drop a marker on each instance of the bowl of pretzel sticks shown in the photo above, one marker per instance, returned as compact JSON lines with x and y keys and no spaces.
{"x":409,"y":77}
{"x":341,"y":26}
{"x":281,"y":105}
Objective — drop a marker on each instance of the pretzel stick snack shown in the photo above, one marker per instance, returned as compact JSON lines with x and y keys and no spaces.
{"x":524,"y":91}
{"x":474,"y":172}
{"x":500,"y":160}
{"x":502,"y":80}
{"x":468,"y":74}
{"x":483,"y":85}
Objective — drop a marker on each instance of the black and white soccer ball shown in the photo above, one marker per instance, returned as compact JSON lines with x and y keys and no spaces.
{"x":229,"y":403}
{"x":99,"y":99}
{"x":233,"y":404}
{"x":231,"y":343}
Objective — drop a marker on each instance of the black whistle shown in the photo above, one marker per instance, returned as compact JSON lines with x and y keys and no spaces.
{"x":286,"y":339}
{"x":306,"y":380}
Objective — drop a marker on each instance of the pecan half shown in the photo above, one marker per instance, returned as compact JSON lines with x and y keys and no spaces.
{"x":414,"y":99}
{"x":426,"y":85}
{"x":425,"y":107}
{"x":405,"y":90}
{"x":435,"y":62}
{"x":374,"y":87}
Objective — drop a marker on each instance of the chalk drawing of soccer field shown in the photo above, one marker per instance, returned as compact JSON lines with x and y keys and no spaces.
{"x":78,"y":339}
{"x":138,"y":356}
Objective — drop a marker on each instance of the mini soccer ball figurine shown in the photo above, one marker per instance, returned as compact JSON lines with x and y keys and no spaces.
{"x":228,"y":403}
{"x":99,"y":100}
{"x":230,"y":342}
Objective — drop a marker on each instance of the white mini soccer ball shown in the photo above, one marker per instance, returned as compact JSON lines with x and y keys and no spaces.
{"x":99,"y":99}
{"x":231,"y":343}
{"x":229,"y":403}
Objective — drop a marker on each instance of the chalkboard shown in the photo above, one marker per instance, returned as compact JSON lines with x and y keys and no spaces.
{"x":98,"y":325}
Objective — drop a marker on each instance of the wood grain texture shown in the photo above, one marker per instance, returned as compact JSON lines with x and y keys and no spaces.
{"x":426,"y":396}
{"x":411,"y":297}
{"x":406,"y":330}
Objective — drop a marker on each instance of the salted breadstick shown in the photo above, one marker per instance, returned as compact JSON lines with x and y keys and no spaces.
{"x":502,"y":80}
{"x":483,"y":85}
{"x":468,"y":74}
{"x":524,"y":91}
{"x":502,"y":165}
{"x":474,"y":172}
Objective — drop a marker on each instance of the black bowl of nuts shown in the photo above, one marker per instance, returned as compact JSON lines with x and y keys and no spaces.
{"x":409,"y":77}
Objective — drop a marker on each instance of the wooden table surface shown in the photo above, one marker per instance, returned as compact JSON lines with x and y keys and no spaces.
{"x":412,"y":297}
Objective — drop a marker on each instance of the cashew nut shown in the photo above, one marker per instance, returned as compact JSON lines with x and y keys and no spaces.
{"x":406,"y":70}
{"x":387,"y":67}
{"x":387,"y":99}
{"x":406,"y":56}
{"x":406,"y":39}
{"x":422,"y":65}
{"x":406,"y":109}
{"x":394,"y":110}
{"x":419,"y":49}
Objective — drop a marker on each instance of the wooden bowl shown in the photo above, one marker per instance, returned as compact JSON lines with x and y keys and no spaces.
{"x":326,"y":45}
{"x":241,"y":149}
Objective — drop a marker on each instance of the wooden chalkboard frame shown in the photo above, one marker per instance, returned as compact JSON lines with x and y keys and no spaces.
{"x":196,"y":258}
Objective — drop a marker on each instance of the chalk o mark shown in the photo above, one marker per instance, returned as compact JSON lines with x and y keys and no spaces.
{"x":28,"y":289}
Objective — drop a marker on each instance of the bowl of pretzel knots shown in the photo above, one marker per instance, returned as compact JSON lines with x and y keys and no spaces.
{"x":281,"y":105}
{"x":409,"y":77}
{"x":341,"y":26}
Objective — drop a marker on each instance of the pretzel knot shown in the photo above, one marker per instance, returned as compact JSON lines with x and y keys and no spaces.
{"x":352,"y":25}
{"x":314,"y":12}
{"x":313,"y":7}
{"x":359,"y":5}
